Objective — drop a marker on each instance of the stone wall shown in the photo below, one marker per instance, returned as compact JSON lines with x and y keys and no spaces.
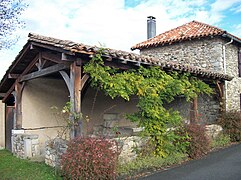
{"x":234,"y":86}
{"x":128,"y":147}
{"x":208,"y":108}
{"x":54,"y":150}
{"x":213,"y":130}
{"x":25,"y":145}
{"x":205,"y":53}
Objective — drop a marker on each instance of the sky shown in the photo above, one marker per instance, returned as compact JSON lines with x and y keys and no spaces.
{"x":117,"y":24}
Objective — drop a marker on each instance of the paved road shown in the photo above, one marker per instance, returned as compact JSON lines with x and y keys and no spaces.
{"x":222,"y":165}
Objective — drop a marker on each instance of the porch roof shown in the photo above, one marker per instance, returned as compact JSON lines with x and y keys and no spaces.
{"x":70,"y":51}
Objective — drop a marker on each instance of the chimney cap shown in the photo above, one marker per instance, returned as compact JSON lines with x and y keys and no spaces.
{"x":151,"y":17}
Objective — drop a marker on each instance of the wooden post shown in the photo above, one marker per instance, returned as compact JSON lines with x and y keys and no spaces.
{"x":194,"y":111}
{"x":75,"y":97}
{"x":18,"y":104}
{"x":222,"y":101}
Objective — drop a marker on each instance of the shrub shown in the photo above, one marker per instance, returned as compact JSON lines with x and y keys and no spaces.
{"x":199,"y":142}
{"x":90,"y":158}
{"x":220,"y":141}
{"x":231,"y":123}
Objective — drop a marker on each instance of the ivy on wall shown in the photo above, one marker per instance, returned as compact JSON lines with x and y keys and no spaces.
{"x":154,"y":87}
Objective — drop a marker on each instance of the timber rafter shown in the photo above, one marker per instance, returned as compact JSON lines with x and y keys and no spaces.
{"x":39,"y":61}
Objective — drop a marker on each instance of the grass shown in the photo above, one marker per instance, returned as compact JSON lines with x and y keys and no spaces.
{"x":221,"y":140}
{"x":149,"y":163}
{"x":12,"y":167}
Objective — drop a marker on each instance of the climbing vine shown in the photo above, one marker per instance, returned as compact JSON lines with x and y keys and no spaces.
{"x":154,"y":87}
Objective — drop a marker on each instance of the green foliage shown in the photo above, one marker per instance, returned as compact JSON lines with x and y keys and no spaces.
{"x":146,"y":163}
{"x":221,"y":140}
{"x":154,"y":87}
{"x":14,"y":168}
{"x":231,"y":123}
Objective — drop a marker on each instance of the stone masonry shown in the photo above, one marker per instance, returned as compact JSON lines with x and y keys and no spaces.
{"x":54,"y":149}
{"x":208,"y":108}
{"x":25,"y":145}
{"x":128,"y":146}
{"x":234,"y":86}
{"x":205,"y":53}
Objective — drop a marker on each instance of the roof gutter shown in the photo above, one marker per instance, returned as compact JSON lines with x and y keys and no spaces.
{"x":231,"y":37}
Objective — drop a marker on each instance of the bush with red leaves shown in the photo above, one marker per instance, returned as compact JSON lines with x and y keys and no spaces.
{"x":231,"y":123}
{"x":199,"y":142}
{"x":90,"y":158}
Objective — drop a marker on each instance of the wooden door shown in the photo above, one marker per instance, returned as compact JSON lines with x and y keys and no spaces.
{"x":9,"y":119}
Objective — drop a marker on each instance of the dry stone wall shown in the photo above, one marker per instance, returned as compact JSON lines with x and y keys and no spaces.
{"x":55,"y":148}
{"x":128,"y":147}
{"x":25,"y":145}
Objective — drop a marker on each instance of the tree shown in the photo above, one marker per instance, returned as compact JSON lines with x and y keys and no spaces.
{"x":9,"y":21}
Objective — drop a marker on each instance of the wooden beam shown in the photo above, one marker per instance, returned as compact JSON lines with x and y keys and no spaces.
{"x":52,"y":57}
{"x":84,"y":79}
{"x":40,"y":64}
{"x":13,"y":76}
{"x":44,"y":72}
{"x":194,"y":111}
{"x":27,"y":69}
{"x":18,"y":104}
{"x":75,"y":97}
{"x":67,"y":80}
{"x":220,"y":88}
{"x":66,"y":57}
{"x":119,"y":66}
{"x":20,"y":57}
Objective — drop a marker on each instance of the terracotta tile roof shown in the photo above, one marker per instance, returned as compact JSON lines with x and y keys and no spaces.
{"x":127,"y":56}
{"x":188,"y":31}
{"x":82,"y":49}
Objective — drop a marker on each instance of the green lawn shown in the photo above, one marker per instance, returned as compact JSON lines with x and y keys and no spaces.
{"x":14,"y":168}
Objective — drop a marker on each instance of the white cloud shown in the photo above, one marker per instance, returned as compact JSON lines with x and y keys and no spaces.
{"x":237,"y":9}
{"x":236,"y":30}
{"x":109,"y":22}
{"x":221,"y":5}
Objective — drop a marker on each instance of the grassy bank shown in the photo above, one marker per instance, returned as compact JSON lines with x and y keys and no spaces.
{"x":15,"y":168}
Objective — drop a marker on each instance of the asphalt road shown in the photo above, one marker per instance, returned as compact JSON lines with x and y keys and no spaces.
{"x":221,"y":165}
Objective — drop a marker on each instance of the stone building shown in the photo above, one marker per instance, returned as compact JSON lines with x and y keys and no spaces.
{"x":201,"y":45}
{"x":48,"y":72}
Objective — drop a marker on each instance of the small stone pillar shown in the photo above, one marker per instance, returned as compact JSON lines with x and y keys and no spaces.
{"x":27,"y":148}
